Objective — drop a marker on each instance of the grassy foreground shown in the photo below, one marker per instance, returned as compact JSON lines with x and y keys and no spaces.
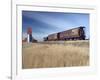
{"x":73,"y":53}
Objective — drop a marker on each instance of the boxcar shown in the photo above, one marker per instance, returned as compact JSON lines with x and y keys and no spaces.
{"x":76,"y":33}
{"x":53,"y":37}
{"x":69,"y":34}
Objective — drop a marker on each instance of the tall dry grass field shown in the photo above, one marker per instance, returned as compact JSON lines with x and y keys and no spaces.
{"x":40,"y":55}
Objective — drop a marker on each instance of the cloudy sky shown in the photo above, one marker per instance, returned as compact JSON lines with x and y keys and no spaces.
{"x":45,"y":23}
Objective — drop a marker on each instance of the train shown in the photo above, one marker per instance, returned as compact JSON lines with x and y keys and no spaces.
{"x":71,"y":34}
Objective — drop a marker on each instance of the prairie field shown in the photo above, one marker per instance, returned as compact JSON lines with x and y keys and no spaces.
{"x":55,"y":54}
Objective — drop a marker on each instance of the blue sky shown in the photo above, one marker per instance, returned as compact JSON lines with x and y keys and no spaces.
{"x":45,"y":23}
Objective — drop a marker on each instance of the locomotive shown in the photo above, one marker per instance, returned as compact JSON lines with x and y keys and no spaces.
{"x":71,"y":34}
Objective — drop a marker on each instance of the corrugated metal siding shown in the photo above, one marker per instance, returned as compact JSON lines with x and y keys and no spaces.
{"x":53,"y":37}
{"x":69,"y":33}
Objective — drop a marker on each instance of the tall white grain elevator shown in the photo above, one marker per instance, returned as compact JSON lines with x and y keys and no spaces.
{"x":29,"y":35}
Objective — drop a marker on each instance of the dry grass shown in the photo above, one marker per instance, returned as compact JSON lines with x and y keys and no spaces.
{"x":36,"y":55}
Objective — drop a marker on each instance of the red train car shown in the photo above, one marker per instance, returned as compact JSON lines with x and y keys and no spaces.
{"x":76,"y":33}
{"x":72,"y":34}
{"x":53,"y":37}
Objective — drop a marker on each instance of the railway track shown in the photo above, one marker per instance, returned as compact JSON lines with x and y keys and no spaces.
{"x":82,"y":43}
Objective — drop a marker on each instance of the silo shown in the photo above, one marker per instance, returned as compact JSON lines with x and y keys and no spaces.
{"x":29,"y":34}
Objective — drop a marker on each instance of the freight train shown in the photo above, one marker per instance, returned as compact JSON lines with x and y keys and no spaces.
{"x":72,"y":34}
